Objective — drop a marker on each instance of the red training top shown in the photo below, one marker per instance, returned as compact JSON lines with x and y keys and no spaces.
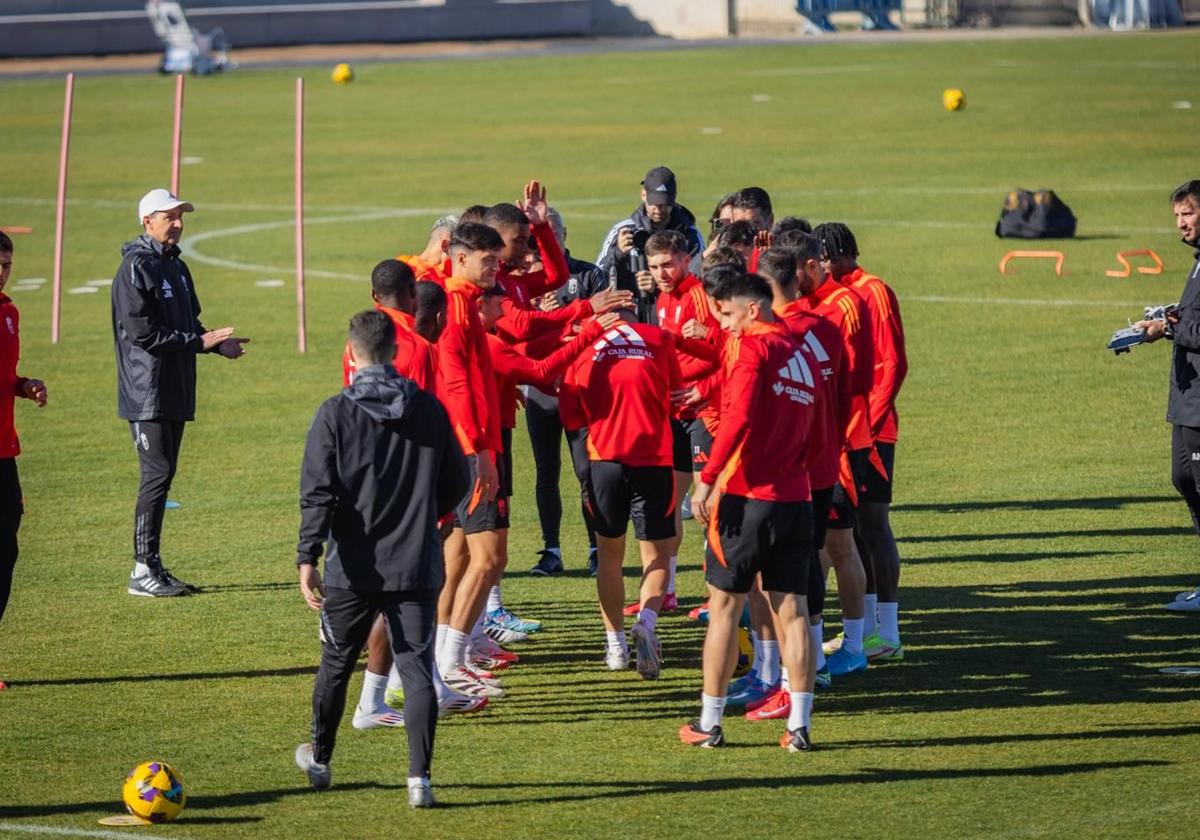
{"x":512,"y":368}
{"x":891,"y":359}
{"x":466,"y":383}
{"x":768,"y":403}
{"x":11,"y":385}
{"x":415,"y":357}
{"x":620,"y":389}
{"x":689,"y":302}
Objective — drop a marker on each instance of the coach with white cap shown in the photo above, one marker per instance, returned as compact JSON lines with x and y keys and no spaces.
{"x":157,"y":333}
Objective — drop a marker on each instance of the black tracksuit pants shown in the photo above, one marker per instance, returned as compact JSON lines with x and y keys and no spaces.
{"x":11,"y":509}
{"x":1185,"y":468}
{"x":157,"y":443}
{"x":346,"y":621}
{"x":545,"y":438}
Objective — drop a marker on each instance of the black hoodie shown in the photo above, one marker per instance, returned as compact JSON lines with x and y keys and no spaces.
{"x":156,"y":330}
{"x":381,"y":466}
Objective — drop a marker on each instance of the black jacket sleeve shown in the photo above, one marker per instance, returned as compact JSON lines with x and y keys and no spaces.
{"x":454,"y":474}
{"x":318,"y":476}
{"x":133,"y":298}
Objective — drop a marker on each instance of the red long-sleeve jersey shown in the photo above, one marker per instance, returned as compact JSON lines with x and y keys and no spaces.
{"x":512,"y":368}
{"x":426,"y":271}
{"x":466,"y":382}
{"x":823,"y":342}
{"x":11,"y":385}
{"x":849,"y":313}
{"x":685,"y":303}
{"x":415,"y":357}
{"x":891,"y":359}
{"x":620,"y":389}
{"x":768,"y":402}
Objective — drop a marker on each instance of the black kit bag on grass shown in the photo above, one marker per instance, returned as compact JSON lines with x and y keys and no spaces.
{"x":1035,"y":214}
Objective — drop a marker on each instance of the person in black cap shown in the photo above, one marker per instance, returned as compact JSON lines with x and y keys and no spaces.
{"x":622,"y":253}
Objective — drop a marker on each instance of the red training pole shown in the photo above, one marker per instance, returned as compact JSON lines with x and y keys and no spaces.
{"x":302,"y":332}
{"x":177,"y":135}
{"x":60,"y":213}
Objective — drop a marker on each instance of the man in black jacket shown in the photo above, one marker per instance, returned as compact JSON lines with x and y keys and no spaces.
{"x":1183,"y":400}
{"x":381,"y":466}
{"x":627,"y":238}
{"x":157,"y":333}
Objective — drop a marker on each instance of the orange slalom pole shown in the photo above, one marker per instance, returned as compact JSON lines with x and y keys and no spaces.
{"x":302,"y":330}
{"x":60,"y":212}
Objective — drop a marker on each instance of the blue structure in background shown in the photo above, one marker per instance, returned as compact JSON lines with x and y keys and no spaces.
{"x":874,"y":12}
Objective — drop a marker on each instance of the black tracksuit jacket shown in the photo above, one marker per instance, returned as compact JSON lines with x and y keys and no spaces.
{"x":381,"y":466}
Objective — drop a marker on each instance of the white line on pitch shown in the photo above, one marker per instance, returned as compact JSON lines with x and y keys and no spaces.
{"x":985,"y":301}
{"x":52,"y":831}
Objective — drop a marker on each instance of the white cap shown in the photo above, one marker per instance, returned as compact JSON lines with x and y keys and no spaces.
{"x":160,"y":200}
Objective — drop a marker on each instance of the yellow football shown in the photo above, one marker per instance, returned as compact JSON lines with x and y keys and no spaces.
{"x":154,"y":792}
{"x":343,"y":74}
{"x":954,"y":99}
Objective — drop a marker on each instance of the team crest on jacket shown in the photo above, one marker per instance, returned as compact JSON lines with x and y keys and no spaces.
{"x":573,"y":287}
{"x":12,"y":328}
{"x":166,"y":290}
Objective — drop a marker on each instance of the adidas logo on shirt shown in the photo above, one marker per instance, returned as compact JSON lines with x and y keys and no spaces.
{"x":622,"y":341}
{"x":166,"y":290}
{"x":795,"y":371}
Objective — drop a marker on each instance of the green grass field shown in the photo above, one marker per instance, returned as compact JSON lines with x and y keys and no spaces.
{"x":1038,"y":527}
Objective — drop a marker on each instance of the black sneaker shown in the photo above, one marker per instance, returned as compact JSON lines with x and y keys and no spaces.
{"x":155,"y":584}
{"x":796,"y":740}
{"x":691,"y":733}
{"x":187,"y":587}
{"x":550,"y":563}
{"x":593,"y":561}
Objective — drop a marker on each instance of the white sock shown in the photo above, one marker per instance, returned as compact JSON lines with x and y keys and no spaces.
{"x":889,"y":621}
{"x":455,"y":650}
{"x":816,"y":632}
{"x":712,"y":709}
{"x":440,"y":689}
{"x":374,"y":687}
{"x":417,"y":781}
{"x":769,"y":671}
{"x":393,"y":679}
{"x":852,"y":634}
{"x":648,"y":617}
{"x":614,"y":642}
{"x":140,"y":569}
{"x":439,"y":642}
{"x":870,"y":622}
{"x":494,"y":602}
{"x":784,"y":682}
{"x":801,"y":713}
{"x":756,"y":644}
{"x":671,"y":574}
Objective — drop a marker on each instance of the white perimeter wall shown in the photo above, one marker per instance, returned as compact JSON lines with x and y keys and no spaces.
{"x":672,"y":18}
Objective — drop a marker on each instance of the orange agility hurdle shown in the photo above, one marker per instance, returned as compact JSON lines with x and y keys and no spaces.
{"x":1127,"y":269}
{"x":13,"y":230}
{"x":1057,"y":256}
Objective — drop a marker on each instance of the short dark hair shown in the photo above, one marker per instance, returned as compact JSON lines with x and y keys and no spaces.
{"x":721,"y":255}
{"x":373,"y":336}
{"x":792,"y":223}
{"x":778,"y":265}
{"x":431,"y":299}
{"x":474,"y":213}
{"x":753,"y":198}
{"x":836,"y":240}
{"x":6,"y":244}
{"x":747,"y":286}
{"x":1188,"y":189}
{"x":505,"y":214}
{"x":393,"y":279}
{"x":474,"y":236}
{"x":493,"y":291}
{"x":667,"y":242}
{"x":738,"y":233}
{"x":719,"y":276}
{"x":803,"y":246}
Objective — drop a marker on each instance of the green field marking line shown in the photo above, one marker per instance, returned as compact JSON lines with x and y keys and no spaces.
{"x":53,"y":831}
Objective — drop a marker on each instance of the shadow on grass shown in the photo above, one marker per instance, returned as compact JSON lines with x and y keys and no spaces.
{"x":591,"y":791}
{"x":1012,"y":557}
{"x":1159,"y":531}
{"x":1094,"y":503}
{"x":196,"y":675}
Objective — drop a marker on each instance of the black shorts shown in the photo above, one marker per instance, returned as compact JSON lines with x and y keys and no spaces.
{"x":749,"y":537}
{"x":691,"y":444}
{"x":876,"y":486}
{"x":843,"y":513}
{"x":505,"y":469}
{"x":822,"y":500}
{"x":474,"y":515}
{"x":615,"y":493}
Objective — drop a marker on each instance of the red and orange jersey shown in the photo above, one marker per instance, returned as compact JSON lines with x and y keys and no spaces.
{"x":526,"y":286}
{"x":768,"y":403}
{"x":891,"y":359}
{"x":822,"y":341}
{"x":415,"y":357}
{"x":11,"y":385}
{"x":513,"y":368}
{"x":620,"y":389}
{"x":466,"y":382}
{"x":427,"y":271}
{"x":687,"y":302}
{"x":848,"y":312}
